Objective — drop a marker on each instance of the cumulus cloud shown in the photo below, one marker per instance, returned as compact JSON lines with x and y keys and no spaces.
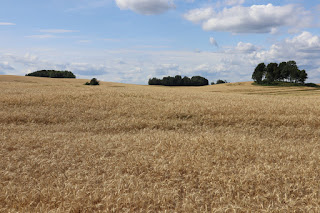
{"x":254,"y":19}
{"x":28,"y":59}
{"x":87,"y":69}
{"x":135,"y":66}
{"x":146,"y":7}
{"x":167,"y":69}
{"x":303,"y":46}
{"x":4,"y":66}
{"x":246,"y":47}
{"x":199,"y":15}
{"x":213,"y":41}
{"x":305,"y":42}
{"x":203,"y":68}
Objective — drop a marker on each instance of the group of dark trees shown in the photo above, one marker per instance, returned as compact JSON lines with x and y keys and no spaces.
{"x":179,"y":81}
{"x":52,"y":74}
{"x":220,"y":82}
{"x":283,"y":72}
{"x":93,"y":81}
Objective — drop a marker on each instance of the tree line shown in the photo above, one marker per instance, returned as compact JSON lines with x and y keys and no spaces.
{"x":283,"y":72}
{"x":52,"y":74}
{"x":179,"y":81}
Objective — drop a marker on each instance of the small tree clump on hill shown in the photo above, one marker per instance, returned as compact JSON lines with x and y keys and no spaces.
{"x":179,"y":81}
{"x":93,"y":81}
{"x":221,"y":81}
{"x":274,"y":73}
{"x":52,"y":74}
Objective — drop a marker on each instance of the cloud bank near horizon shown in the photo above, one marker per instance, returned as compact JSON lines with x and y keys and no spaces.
{"x":231,"y":63}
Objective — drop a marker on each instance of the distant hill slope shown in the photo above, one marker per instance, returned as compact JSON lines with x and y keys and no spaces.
{"x":237,"y":88}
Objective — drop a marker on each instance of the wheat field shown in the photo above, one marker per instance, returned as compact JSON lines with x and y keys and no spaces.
{"x":67,"y":147}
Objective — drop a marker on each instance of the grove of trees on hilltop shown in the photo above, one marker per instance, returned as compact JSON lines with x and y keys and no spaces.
{"x":93,"y":81}
{"x":219,"y":81}
{"x":52,"y":74}
{"x":179,"y":81}
{"x":283,"y":72}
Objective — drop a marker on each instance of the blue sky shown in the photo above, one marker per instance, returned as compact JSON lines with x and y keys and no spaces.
{"x":131,"y":41}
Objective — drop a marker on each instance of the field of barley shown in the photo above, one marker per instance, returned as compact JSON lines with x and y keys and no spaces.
{"x":67,"y":147}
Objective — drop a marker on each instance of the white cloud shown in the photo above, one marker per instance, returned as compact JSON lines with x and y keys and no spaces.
{"x":246,"y":47}
{"x":233,"y":2}
{"x":167,"y":69}
{"x":136,"y":66}
{"x":87,"y":69}
{"x":5,"y":67}
{"x":213,"y":41}
{"x":42,"y":36}
{"x":305,"y":42}
{"x":57,"y":31}
{"x":254,"y":19}
{"x":6,"y":24}
{"x":146,"y":7}
{"x":304,"y":46}
{"x":203,"y":68}
{"x":199,"y":15}
{"x":28,"y":59}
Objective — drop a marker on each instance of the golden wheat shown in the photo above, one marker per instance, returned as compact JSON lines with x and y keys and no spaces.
{"x":67,"y":147}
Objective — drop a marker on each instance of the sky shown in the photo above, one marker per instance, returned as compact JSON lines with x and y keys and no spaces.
{"x":130,"y":41}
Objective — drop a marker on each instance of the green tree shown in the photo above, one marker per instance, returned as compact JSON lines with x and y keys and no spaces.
{"x":154,"y":81}
{"x":199,"y":81}
{"x":292,"y":70}
{"x":271,"y":72}
{"x":168,"y":81}
{"x":285,"y":71}
{"x":52,"y":74}
{"x":178,"y":80}
{"x":221,"y":81}
{"x":302,"y":76}
{"x":186,"y":81}
{"x":93,"y":81}
{"x":259,"y":73}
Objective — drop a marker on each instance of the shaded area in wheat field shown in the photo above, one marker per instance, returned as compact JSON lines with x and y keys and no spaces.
{"x":115,"y":147}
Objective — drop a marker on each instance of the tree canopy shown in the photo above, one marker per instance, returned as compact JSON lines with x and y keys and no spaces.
{"x":52,"y":74}
{"x":93,"y":81}
{"x":283,"y":72}
{"x":179,"y":81}
{"x":219,"y":81}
